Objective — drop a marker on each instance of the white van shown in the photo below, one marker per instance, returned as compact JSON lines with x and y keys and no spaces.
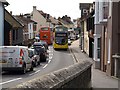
{"x":15,"y":58}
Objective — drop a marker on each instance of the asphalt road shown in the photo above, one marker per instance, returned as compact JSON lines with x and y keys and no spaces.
{"x":57,"y":60}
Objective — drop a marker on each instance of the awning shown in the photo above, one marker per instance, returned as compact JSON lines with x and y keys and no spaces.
{"x":11,"y":20}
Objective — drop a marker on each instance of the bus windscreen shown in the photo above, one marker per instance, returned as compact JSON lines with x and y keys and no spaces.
{"x":44,"y":29}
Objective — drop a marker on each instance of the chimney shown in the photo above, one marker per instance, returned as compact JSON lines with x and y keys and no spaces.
{"x":34,"y":8}
{"x":11,"y":12}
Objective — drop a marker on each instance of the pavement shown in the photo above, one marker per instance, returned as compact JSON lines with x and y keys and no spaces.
{"x":99,"y":79}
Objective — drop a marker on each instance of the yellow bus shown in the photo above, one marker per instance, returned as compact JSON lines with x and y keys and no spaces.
{"x":60,"y":38}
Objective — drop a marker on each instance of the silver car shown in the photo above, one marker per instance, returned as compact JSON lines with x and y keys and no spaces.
{"x":34,"y":56}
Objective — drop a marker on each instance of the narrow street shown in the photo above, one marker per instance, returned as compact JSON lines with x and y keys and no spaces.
{"x":57,"y":60}
{"x":60,"y":44}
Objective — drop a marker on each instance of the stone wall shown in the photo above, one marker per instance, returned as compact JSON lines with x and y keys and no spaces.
{"x":75,"y":76}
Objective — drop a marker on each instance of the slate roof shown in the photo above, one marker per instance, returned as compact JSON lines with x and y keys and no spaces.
{"x":24,"y":20}
{"x":11,"y":20}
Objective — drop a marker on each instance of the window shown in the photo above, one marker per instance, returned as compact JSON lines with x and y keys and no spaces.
{"x":16,"y":34}
{"x":30,"y":26}
{"x":61,"y":40}
{"x":98,"y":48}
{"x":13,"y":35}
{"x":30,"y":35}
{"x":98,"y":43}
{"x":105,"y":10}
{"x":44,"y":29}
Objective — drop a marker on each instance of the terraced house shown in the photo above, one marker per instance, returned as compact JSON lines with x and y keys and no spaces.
{"x":29,"y":28}
{"x":42,"y":19}
{"x":87,"y":28}
{"x":11,"y":30}
{"x":107,"y":28}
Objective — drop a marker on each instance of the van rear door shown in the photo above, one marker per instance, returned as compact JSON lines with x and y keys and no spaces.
{"x":9,"y":57}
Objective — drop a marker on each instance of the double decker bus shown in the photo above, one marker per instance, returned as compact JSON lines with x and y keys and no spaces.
{"x":46,"y":34}
{"x":60,"y":37}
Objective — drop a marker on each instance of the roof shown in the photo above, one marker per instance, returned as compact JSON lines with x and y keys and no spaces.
{"x":42,"y":13}
{"x":11,"y":20}
{"x":65,"y":22}
{"x":53,"y":20}
{"x":4,"y":2}
{"x":47,"y":16}
{"x":24,"y":20}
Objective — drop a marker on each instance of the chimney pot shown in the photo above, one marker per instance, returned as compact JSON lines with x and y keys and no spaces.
{"x":11,"y":12}
{"x":34,"y":7}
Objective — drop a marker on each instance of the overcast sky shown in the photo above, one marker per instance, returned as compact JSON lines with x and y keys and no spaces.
{"x":55,"y":8}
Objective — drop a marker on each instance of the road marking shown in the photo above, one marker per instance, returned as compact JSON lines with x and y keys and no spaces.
{"x":50,"y":51}
{"x":34,"y":72}
{"x":45,"y":66}
{"x":51,"y":54}
{"x":37,"y":71}
{"x":49,"y":61}
{"x":31,"y":74}
{"x":50,"y":57}
{"x":10,"y":81}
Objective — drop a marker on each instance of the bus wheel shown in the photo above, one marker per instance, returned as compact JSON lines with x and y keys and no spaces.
{"x":55,"y":49}
{"x":66,"y":49}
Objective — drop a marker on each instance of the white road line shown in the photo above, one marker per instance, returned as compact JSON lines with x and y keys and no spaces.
{"x":37,"y":71}
{"x":51,"y":54}
{"x":34,"y":72}
{"x":45,"y":66}
{"x":49,"y":61}
{"x":31,"y":74}
{"x":50,"y":51}
{"x":10,"y":81}
{"x":50,"y":57}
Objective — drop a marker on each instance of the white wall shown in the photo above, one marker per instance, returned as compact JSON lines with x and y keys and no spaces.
{"x":1,"y":24}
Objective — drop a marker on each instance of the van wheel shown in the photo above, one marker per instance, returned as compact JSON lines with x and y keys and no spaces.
{"x":31,"y":69}
{"x":24,"y":70}
{"x":38,"y":63}
{"x":35,"y":64}
{"x":44,"y":59}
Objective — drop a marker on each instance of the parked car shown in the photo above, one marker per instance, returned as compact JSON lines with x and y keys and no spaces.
{"x":41,"y":50}
{"x":77,"y":36}
{"x":44,"y":43}
{"x":34,"y":56}
{"x":69,"y":42}
{"x":15,"y":58}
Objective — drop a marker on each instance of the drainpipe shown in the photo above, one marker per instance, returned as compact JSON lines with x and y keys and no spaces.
{"x":1,"y":24}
